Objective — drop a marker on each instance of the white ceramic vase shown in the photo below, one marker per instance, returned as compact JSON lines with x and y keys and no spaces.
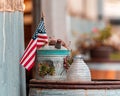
{"x":78,"y":71}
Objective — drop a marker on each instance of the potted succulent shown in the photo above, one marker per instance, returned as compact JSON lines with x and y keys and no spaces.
{"x":101,"y":49}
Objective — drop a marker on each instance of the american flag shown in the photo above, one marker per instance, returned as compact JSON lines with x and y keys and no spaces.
{"x":38,"y":40}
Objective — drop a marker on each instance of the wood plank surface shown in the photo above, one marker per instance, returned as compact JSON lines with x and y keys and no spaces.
{"x":108,"y":84}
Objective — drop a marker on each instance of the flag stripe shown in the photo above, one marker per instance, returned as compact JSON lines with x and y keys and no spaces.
{"x":38,"y":40}
{"x":31,"y":41}
{"x":34,"y":46}
{"x":33,"y":52}
{"x":39,"y":46}
{"x":27,"y":51}
{"x":29,"y":67}
{"x":30,"y":64}
{"x":29,"y":59}
{"x":40,"y":43}
{"x":43,"y":37}
{"x":42,"y":40}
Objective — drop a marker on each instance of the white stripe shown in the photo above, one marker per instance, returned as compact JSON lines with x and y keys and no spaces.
{"x":30,"y":63}
{"x":42,"y":39}
{"x":28,"y":45}
{"x":33,"y":52}
{"x":4,"y":37}
{"x":25,"y":52}
{"x":40,"y":43}
{"x":34,"y":42}
{"x":26,"y":49}
{"x":42,"y":34}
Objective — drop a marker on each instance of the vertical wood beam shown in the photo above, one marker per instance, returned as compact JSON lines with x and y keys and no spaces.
{"x":36,"y":13}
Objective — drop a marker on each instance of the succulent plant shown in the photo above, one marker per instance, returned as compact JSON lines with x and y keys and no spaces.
{"x":46,"y":68}
{"x":104,"y":34}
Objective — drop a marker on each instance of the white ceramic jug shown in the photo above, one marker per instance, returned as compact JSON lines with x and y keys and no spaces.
{"x":78,"y":71}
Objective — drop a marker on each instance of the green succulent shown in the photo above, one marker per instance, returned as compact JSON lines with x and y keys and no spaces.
{"x":46,"y":69}
{"x":105,"y":34}
{"x":51,"y":71}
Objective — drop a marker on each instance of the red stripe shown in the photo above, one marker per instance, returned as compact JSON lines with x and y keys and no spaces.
{"x":31,"y":66}
{"x":26,"y":49}
{"x":28,"y":53}
{"x":43,"y":37}
{"x":28,"y":46}
{"x":29,"y":60}
{"x":41,"y":41}
{"x":25,"y":56}
{"x":39,"y":46}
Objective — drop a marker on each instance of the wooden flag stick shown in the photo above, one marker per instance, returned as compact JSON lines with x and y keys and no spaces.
{"x":42,"y":15}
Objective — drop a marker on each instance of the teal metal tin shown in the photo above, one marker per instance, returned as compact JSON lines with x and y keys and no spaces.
{"x":52,"y":57}
{"x":53,"y":52}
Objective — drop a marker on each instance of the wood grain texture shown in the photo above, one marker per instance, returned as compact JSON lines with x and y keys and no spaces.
{"x":75,"y":85}
{"x":64,"y":88}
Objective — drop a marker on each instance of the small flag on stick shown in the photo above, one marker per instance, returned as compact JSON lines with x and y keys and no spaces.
{"x":38,"y":40}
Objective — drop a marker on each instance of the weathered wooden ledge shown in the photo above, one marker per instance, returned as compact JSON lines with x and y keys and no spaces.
{"x":94,"y":84}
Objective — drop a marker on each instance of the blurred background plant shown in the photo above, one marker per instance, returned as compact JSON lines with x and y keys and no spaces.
{"x":97,"y":38}
{"x":101,"y":36}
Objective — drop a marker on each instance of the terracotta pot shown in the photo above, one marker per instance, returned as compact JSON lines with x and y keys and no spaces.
{"x":102,"y":52}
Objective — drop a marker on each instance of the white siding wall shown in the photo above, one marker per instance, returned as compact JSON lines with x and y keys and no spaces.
{"x":12,"y":75}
